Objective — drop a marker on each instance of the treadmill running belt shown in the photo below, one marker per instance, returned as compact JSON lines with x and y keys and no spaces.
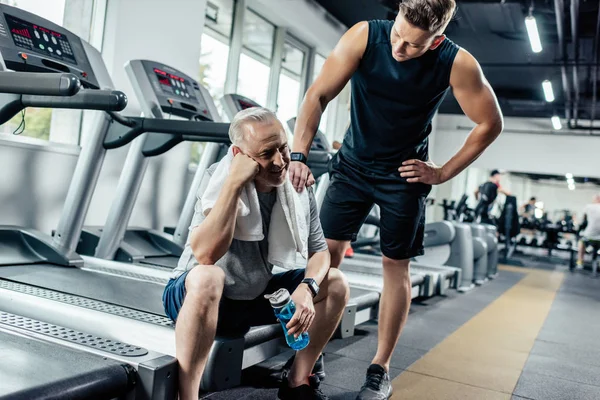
{"x":33,"y":369}
{"x":135,"y":294}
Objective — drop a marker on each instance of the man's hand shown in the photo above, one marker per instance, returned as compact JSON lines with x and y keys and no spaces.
{"x":305,"y":311}
{"x":301,"y":176}
{"x":243,"y":169}
{"x":420,"y":171}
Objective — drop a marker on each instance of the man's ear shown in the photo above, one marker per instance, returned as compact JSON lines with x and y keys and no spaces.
{"x":236,"y":150}
{"x":437,"y":41}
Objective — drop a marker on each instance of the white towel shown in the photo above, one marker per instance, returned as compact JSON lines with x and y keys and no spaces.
{"x":290,"y":217}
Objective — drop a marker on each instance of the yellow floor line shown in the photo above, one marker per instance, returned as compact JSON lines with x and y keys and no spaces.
{"x":484,"y":358}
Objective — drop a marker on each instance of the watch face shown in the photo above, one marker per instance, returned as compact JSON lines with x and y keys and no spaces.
{"x":297,"y":157}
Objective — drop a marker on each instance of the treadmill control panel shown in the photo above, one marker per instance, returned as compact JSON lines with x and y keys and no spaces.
{"x":243,"y":103}
{"x":320,"y":141}
{"x":174,"y":85}
{"x":177,"y":93}
{"x":34,"y":44}
{"x":40,"y":40}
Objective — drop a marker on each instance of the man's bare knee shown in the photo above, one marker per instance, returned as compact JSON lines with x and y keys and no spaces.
{"x":337,"y":249}
{"x":337,"y":287}
{"x":205,"y":283}
{"x":400,"y":269}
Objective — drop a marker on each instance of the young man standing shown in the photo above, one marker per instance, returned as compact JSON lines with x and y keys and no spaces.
{"x":400,"y":70}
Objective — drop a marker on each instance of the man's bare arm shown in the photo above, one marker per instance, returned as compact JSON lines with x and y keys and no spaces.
{"x":478,"y":101}
{"x":336,"y":72}
{"x":211,"y":239}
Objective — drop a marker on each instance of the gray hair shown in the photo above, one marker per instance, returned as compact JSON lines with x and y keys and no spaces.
{"x":252,"y":114}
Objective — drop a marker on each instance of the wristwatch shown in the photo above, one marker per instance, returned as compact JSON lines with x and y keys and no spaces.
{"x":312,"y":285}
{"x":298,"y":157}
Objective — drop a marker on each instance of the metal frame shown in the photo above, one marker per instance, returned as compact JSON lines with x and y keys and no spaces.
{"x":235,"y":46}
{"x":280,"y":35}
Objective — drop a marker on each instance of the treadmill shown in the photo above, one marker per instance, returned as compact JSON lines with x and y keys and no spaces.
{"x":165,"y":94}
{"x":41,"y":360}
{"x":364,"y":291}
{"x":102,"y":303}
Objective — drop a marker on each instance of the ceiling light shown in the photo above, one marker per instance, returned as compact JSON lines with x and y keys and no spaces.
{"x":548,"y":92}
{"x":556,"y":123}
{"x":534,"y":36}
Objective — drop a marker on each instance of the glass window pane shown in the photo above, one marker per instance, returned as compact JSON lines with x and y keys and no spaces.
{"x":214,"y":55}
{"x":213,"y":65}
{"x":258,"y":36}
{"x":319,"y":62}
{"x":293,"y":59}
{"x":253,"y":79}
{"x":37,"y":120}
{"x":287,"y":97}
{"x":219,"y":17}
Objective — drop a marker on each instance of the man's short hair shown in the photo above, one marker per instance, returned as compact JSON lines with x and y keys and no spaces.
{"x":430,"y":15}
{"x":494,"y":172}
{"x":252,"y":114}
{"x":532,"y":199}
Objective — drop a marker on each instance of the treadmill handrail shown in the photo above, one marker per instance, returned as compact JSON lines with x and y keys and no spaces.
{"x":39,"y":83}
{"x":89,"y":99}
{"x":132,"y":127}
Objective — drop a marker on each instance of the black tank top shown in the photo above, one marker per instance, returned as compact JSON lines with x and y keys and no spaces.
{"x":394,"y":102}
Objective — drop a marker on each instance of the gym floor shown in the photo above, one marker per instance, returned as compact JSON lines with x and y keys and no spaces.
{"x":531,"y":333}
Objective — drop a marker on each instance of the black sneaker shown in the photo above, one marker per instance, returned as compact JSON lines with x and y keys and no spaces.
{"x":302,"y":392}
{"x":377,"y":386}
{"x":318,"y":369}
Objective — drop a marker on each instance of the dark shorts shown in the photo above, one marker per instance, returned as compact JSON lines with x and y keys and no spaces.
{"x":235,"y":316}
{"x":351,"y":195}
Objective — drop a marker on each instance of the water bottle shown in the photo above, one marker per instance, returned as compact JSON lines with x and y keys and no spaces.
{"x":284,"y":308}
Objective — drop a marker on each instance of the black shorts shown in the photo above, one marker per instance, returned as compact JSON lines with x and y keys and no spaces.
{"x":351,"y":195}
{"x":236,"y":317}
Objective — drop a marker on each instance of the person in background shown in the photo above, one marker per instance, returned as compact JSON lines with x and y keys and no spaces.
{"x":591,"y":222}
{"x":528,"y":209}
{"x":486,"y":195}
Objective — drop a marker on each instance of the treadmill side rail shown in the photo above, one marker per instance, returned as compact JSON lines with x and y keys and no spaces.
{"x":19,"y":244}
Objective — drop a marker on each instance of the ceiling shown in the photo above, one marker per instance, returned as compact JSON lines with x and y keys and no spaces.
{"x":494,"y":32}
{"x":556,"y":178}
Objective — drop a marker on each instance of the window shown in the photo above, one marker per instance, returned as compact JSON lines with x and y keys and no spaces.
{"x":255,"y":60}
{"x":37,"y":120}
{"x":214,"y":47}
{"x":290,"y":78}
{"x":319,"y":62}
{"x":214,"y":55}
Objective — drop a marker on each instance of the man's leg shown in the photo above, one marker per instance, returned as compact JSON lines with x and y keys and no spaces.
{"x":329,"y":307}
{"x":196,"y":326}
{"x":337,"y":250}
{"x":393,"y":308}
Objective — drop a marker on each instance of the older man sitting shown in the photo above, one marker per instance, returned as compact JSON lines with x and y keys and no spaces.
{"x":238,"y":233}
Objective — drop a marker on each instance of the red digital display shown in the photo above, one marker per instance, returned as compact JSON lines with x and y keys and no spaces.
{"x":22,"y":32}
{"x":245,"y":104}
{"x":163,"y":73}
{"x":41,"y":28}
